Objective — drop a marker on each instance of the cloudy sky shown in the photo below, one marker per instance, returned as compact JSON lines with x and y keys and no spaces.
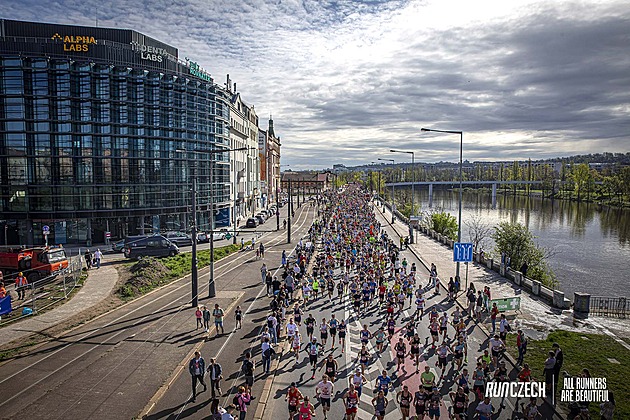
{"x":348,"y":80}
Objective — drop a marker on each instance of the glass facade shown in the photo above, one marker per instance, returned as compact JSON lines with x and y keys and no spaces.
{"x":89,"y":146}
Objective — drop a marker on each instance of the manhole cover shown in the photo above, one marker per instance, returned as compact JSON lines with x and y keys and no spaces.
{"x":613,"y":361}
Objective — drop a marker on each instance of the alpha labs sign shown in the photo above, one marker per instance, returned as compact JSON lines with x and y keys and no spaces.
{"x":75,"y":43}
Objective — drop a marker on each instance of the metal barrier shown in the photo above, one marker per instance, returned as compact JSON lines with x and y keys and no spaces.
{"x":45,"y":292}
{"x":609,"y":306}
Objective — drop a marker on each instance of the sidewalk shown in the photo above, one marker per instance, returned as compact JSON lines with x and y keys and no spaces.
{"x":96,"y":288}
{"x":536,"y":317}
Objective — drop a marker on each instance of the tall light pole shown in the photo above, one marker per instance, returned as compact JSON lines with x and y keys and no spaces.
{"x":413,"y":181}
{"x":194,"y":268}
{"x":393,"y":205}
{"x":461,"y":180}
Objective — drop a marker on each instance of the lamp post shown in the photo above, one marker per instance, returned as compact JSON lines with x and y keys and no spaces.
{"x":393,"y":205}
{"x":413,"y":181}
{"x":194,"y":269}
{"x":461,"y":152}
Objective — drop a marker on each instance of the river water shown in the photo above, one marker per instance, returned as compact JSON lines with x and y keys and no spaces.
{"x":590,"y":243}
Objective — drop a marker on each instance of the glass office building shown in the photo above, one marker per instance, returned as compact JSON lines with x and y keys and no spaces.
{"x":101,"y":130}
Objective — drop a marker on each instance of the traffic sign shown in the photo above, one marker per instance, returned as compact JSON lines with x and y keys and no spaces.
{"x":462,"y":252}
{"x":228,"y":236}
{"x":45,"y":229}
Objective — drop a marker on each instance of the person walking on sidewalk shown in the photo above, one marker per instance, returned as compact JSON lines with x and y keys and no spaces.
{"x":199,"y":317}
{"x":261,"y":250}
{"x":493,"y":317}
{"x":206,"y":318}
{"x":521,"y":344}
{"x":243,"y":398}
{"x":247,"y":368}
{"x":88,"y":258}
{"x":218,"y":314}
{"x":197,"y":368}
{"x":263,"y":272}
{"x":98,"y":256}
{"x":216,"y":374}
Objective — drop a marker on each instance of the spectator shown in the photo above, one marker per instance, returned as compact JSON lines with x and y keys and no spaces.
{"x":197,"y":368}
{"x":521,"y":344}
{"x":504,"y":327}
{"x":216,"y":374}
{"x":199,"y":317}
{"x":88,"y":258}
{"x":247,"y":367}
{"x":263,"y":272}
{"x":227,"y":415}
{"x":98,"y":255}
{"x":607,"y":409}
{"x":3,"y":290}
{"x":243,"y":398}
{"x":549,"y":366}
{"x":218,"y":318}
{"x":493,"y":317}
{"x":269,"y":283}
{"x":206,"y":318}
{"x":267,"y":352}
{"x":524,"y":269}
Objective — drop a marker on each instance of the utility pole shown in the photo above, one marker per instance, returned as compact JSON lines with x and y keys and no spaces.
{"x":289,"y":216}
{"x":211,"y":286}
{"x":194,"y":276}
{"x":277,"y":209}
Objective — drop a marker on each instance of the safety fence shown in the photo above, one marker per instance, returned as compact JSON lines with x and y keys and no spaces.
{"x":609,"y":306}
{"x":44,"y":293}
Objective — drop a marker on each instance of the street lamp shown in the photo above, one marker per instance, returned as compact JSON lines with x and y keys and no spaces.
{"x":194,"y":272}
{"x":461,"y":152}
{"x":393,"y":205}
{"x":413,"y":181}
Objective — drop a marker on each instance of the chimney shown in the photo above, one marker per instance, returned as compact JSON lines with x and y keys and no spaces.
{"x":228,"y":83}
{"x":235,"y":88}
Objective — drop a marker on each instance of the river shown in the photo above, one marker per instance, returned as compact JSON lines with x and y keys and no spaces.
{"x":590,"y":243}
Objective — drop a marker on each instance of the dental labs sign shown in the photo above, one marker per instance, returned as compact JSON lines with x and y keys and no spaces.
{"x":148,"y":52}
{"x":195,"y":70}
{"x":75,"y":43}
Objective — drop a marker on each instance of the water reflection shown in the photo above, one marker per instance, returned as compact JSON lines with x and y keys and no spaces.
{"x":590,"y":241}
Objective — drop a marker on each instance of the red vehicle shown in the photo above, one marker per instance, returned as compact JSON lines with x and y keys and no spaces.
{"x":35,"y":263}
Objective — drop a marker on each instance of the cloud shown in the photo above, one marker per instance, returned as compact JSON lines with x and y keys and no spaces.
{"x":348,"y":80}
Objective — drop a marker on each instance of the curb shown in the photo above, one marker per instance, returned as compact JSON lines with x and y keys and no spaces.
{"x":178,"y":370}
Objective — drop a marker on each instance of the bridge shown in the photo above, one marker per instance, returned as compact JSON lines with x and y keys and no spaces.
{"x":456,"y":183}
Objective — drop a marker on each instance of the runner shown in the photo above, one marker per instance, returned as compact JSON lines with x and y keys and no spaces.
{"x":401,"y":351}
{"x":351,"y":402}
{"x":420,"y":401}
{"x":414,"y":350}
{"x":404,"y":398}
{"x":460,"y":403}
{"x":358,"y":380}
{"x":434,"y":404}
{"x":383,"y":382}
{"x":364,"y":358}
{"x":306,"y":409}
{"x":323,"y":332}
{"x":294,"y":396}
{"x":380,"y":340}
{"x":313,"y":349}
{"x":333,"y":324}
{"x":331,"y":367}
{"x":380,"y":404}
{"x":343,"y":329}
{"x":310,"y":326}
{"x":324,"y":390}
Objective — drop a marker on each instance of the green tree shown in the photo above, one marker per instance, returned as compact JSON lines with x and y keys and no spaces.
{"x":582,"y":179}
{"x":517,"y":242}
{"x":444,"y":224}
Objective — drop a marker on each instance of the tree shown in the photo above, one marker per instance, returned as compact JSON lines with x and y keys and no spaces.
{"x":478,"y":232}
{"x":444,"y":224}
{"x":582,"y":178}
{"x":517,"y":242}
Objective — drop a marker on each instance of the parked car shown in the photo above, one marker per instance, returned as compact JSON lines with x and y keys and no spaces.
{"x":118,"y":246}
{"x":218,"y":236}
{"x":252,"y":222}
{"x":203,"y":237}
{"x":179,"y":238}
{"x":149,"y":246}
{"x":260,"y":219}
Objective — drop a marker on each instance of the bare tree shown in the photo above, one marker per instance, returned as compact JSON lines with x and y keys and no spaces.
{"x":478,"y":231}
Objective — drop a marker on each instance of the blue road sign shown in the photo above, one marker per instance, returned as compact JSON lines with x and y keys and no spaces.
{"x":462,"y":252}
{"x":45,"y":228}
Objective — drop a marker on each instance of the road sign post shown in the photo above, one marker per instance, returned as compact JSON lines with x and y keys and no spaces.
{"x":46,"y":232}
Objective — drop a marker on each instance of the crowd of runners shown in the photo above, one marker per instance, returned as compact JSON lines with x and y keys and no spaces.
{"x":358,"y":264}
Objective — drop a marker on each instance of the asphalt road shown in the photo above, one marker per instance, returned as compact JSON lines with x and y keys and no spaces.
{"x":112,"y":366}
